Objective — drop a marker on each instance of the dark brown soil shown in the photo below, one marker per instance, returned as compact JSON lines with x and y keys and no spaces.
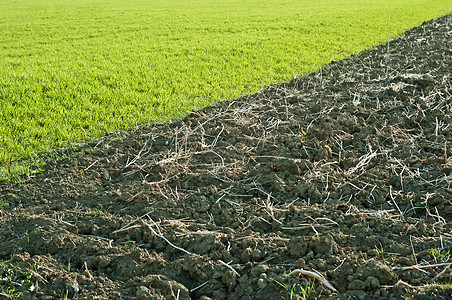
{"x":345,"y":172}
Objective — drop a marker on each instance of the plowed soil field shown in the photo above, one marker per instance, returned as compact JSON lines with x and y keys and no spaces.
{"x":336,"y":185}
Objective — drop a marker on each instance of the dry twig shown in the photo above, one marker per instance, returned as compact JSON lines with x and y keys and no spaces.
{"x":317,"y":276}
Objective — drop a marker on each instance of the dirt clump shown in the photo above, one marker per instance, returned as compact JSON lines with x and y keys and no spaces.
{"x":344,"y":174}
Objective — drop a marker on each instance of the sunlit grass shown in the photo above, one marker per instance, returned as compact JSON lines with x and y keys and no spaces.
{"x":73,"y":70}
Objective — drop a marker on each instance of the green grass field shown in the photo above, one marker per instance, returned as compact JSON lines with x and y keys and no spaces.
{"x":72,"y":70}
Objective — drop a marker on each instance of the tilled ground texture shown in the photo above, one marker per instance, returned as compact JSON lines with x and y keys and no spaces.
{"x":339,"y":181}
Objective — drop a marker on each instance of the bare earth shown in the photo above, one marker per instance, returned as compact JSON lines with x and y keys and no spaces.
{"x":345,"y":172}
